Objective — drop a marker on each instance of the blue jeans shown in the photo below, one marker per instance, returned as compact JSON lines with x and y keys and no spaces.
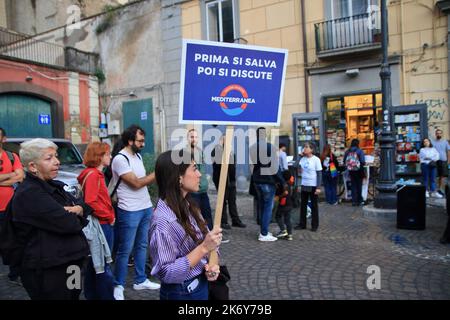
{"x":267,"y":194}
{"x":108,"y":231}
{"x":100,"y":286}
{"x":330,"y":185}
{"x":132,"y":228}
{"x":429,"y":176}
{"x":172,"y":291}
{"x":202,"y":201}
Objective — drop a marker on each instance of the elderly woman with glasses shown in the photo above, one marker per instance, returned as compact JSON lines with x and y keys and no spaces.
{"x":48,"y":222}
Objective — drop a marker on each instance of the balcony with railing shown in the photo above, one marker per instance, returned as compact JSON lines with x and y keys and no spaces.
{"x":346,"y":35}
{"x":25,"y":48}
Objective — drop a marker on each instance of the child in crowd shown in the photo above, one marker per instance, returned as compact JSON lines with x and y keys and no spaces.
{"x":285,"y":205}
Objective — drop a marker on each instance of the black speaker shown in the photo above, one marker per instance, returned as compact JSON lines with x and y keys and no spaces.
{"x":411,"y":207}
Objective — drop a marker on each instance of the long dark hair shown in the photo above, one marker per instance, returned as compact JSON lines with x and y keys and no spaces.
{"x":326,"y":152}
{"x":168,"y":173}
{"x":423,"y":143}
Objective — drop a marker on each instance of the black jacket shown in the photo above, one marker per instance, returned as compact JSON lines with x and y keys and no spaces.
{"x":48,"y":234}
{"x":257,"y":174}
{"x":231,"y":179}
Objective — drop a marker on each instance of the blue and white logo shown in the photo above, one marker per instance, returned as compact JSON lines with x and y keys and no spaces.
{"x":44,"y":119}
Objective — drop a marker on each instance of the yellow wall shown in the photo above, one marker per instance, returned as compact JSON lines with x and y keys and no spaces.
{"x":418,"y":31}
{"x":412,"y":23}
{"x":3,"y":23}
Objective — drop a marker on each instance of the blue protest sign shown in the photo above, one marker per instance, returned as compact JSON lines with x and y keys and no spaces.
{"x":44,"y":119}
{"x":232,"y":84}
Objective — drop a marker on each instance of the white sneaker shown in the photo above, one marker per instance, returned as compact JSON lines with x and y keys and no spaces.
{"x":147,"y":285}
{"x":427,"y":194}
{"x":269,"y":237}
{"x":437,"y":195}
{"x":225,"y":240}
{"x":118,"y":293}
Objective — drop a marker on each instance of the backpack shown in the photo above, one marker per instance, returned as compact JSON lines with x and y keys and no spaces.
{"x":352,"y":161}
{"x":108,"y":170}
{"x":113,"y":185}
{"x":10,"y":157}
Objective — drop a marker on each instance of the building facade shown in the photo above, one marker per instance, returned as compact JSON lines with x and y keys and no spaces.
{"x":333,"y":68}
{"x":43,"y":93}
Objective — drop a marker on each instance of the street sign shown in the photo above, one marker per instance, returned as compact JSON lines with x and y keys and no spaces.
{"x":44,"y":119}
{"x":232,"y":84}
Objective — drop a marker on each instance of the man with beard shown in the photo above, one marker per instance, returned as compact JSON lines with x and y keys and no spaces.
{"x":201,"y":197}
{"x":134,"y":210}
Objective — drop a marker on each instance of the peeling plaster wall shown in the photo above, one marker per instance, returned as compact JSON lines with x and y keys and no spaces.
{"x":3,"y":22}
{"x":36,"y":16}
{"x":131,"y":53}
{"x":141,"y":52}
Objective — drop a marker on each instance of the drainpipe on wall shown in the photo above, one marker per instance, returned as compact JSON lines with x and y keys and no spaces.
{"x":305,"y":55}
{"x":162,"y":118}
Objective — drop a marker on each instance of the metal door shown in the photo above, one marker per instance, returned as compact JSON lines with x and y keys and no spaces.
{"x":140,"y":112}
{"x":25,"y":116}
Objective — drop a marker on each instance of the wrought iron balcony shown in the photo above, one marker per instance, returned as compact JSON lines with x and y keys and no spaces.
{"x":346,"y":35}
{"x":23,"y":47}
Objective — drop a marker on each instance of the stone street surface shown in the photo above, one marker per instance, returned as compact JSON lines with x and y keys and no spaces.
{"x":331,"y":263}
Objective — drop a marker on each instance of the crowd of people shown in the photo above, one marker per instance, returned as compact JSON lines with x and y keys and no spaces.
{"x":46,"y":231}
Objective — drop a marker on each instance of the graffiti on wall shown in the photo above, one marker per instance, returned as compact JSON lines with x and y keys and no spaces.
{"x":437,"y":113}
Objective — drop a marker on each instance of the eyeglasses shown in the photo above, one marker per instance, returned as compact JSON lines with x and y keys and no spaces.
{"x":141,"y":141}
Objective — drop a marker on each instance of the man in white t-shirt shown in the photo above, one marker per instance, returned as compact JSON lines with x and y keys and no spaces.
{"x":134,"y":210}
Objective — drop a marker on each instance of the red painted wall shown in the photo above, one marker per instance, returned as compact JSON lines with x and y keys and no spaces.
{"x":11,"y":71}
{"x":55,"y":81}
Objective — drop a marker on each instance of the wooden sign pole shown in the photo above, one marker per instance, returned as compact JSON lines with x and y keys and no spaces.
{"x":213,"y":257}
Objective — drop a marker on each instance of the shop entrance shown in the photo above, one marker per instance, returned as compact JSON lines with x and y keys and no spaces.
{"x":353,"y":117}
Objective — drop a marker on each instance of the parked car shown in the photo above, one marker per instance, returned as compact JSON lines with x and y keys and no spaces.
{"x":69,"y":156}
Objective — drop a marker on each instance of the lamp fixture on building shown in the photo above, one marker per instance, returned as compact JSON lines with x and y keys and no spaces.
{"x":29,"y":78}
{"x":132,"y":94}
{"x":351,"y":73}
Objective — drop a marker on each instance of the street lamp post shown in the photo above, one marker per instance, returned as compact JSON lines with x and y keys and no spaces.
{"x":386,"y":198}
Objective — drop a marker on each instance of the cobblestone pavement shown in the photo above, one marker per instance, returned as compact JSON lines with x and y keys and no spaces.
{"x":331,"y":263}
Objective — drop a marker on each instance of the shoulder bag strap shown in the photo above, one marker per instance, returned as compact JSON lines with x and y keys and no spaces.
{"x":10,"y":157}
{"x":84,"y":180}
{"x":120,"y":179}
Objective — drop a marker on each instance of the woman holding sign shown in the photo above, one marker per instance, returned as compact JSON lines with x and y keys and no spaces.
{"x":180,"y":241}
